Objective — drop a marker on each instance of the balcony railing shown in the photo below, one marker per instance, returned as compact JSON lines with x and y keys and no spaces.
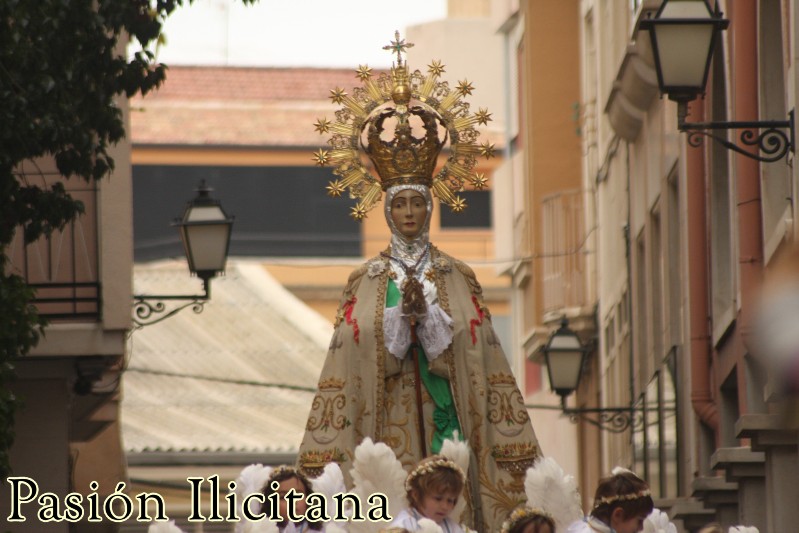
{"x":63,"y":267}
{"x":564,"y":236}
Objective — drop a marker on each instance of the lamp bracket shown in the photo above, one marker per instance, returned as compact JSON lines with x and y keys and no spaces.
{"x":151,"y":309}
{"x":767,"y":136}
{"x":612,"y":419}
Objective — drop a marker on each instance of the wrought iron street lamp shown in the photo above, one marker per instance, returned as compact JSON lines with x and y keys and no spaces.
{"x":684,"y":34}
{"x":565,"y":356}
{"x":205,"y":232}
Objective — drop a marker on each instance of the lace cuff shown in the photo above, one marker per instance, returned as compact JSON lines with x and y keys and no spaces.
{"x":435,"y":331}
{"x":396,"y":332}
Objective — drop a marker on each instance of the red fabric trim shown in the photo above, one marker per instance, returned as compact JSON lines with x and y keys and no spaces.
{"x":349,"y":306}
{"x":476,"y":321}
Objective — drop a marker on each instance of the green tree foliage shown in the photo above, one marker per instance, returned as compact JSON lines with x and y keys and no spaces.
{"x":62,"y":67}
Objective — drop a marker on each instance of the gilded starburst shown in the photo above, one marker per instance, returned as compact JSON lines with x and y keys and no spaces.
{"x":430,"y":274}
{"x":458,"y":204}
{"x":487,"y":150}
{"x":337,"y":95}
{"x":322,"y":125}
{"x":358,"y":212}
{"x":334,"y":188}
{"x":479,"y":181}
{"x":465,"y":87}
{"x":364,"y":72}
{"x":321,"y":157}
{"x":435,"y":68}
{"x":483,"y":116}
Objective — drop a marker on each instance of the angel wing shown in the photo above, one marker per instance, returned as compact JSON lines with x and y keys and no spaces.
{"x":549,"y":488}
{"x":658,"y":522}
{"x":376,"y":469}
{"x":252,"y":479}
{"x":458,"y":451}
{"x":329,"y":483}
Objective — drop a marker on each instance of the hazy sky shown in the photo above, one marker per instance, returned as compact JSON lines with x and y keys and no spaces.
{"x":339,"y":33}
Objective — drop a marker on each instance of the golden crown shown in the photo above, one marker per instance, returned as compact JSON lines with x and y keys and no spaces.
{"x":405,"y":158}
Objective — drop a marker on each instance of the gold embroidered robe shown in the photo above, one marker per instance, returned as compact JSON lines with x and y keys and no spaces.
{"x":364,"y":391}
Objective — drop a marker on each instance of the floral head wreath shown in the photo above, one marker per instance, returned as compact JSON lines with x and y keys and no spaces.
{"x":288,"y":471}
{"x":431,"y":466}
{"x":608,"y":500}
{"x":522,"y":513}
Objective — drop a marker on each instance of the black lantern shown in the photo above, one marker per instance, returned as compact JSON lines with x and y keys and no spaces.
{"x":205,"y":232}
{"x":683,"y":34}
{"x":565,"y":356}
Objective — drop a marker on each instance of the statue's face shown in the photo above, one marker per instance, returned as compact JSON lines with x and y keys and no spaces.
{"x":408,"y":212}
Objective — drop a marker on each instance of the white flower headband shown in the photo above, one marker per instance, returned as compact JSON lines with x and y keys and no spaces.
{"x":431,"y":466}
{"x":521,"y":513}
{"x":607,"y":500}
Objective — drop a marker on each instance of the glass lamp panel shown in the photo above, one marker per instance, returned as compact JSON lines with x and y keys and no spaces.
{"x":564,"y":371}
{"x":564,"y":341}
{"x":685,"y":9}
{"x":683,"y":51}
{"x":207,"y":245}
{"x":204,"y":213}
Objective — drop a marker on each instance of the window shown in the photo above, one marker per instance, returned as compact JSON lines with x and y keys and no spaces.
{"x":476,"y":215}
{"x":280,"y":211}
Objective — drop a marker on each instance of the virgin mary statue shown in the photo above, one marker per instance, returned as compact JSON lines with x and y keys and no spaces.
{"x":414,"y":359}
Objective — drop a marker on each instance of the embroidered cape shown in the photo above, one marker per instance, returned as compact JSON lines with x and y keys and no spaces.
{"x":364,"y":391}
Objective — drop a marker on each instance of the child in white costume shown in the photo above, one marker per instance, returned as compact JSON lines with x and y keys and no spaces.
{"x":622,"y":503}
{"x":433,"y":489}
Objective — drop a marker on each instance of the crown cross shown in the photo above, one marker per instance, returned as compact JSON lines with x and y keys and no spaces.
{"x":398,"y":46}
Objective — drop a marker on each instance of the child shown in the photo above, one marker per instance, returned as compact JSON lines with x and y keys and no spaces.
{"x":621,"y":504}
{"x":288,"y":478}
{"x":528,"y":519}
{"x":432,"y":489}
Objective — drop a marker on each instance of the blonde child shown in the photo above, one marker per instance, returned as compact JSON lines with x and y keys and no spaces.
{"x":528,"y":519}
{"x":432,"y":489}
{"x":621,"y":504}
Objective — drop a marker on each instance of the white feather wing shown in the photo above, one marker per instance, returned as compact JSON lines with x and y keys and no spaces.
{"x":377,"y":470}
{"x":658,"y":522}
{"x":458,"y":451}
{"x":252,"y":479}
{"x":549,"y":488}
{"x":329,"y":483}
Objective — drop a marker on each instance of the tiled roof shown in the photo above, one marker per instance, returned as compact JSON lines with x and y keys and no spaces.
{"x":238,"y":377}
{"x":250,"y":107}
{"x":269,"y":107}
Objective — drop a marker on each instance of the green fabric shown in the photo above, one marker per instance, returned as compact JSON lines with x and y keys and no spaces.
{"x":445,"y":417}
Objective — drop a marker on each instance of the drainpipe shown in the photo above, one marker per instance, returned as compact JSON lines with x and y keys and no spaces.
{"x":698,"y":294}
{"x":749,"y":208}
